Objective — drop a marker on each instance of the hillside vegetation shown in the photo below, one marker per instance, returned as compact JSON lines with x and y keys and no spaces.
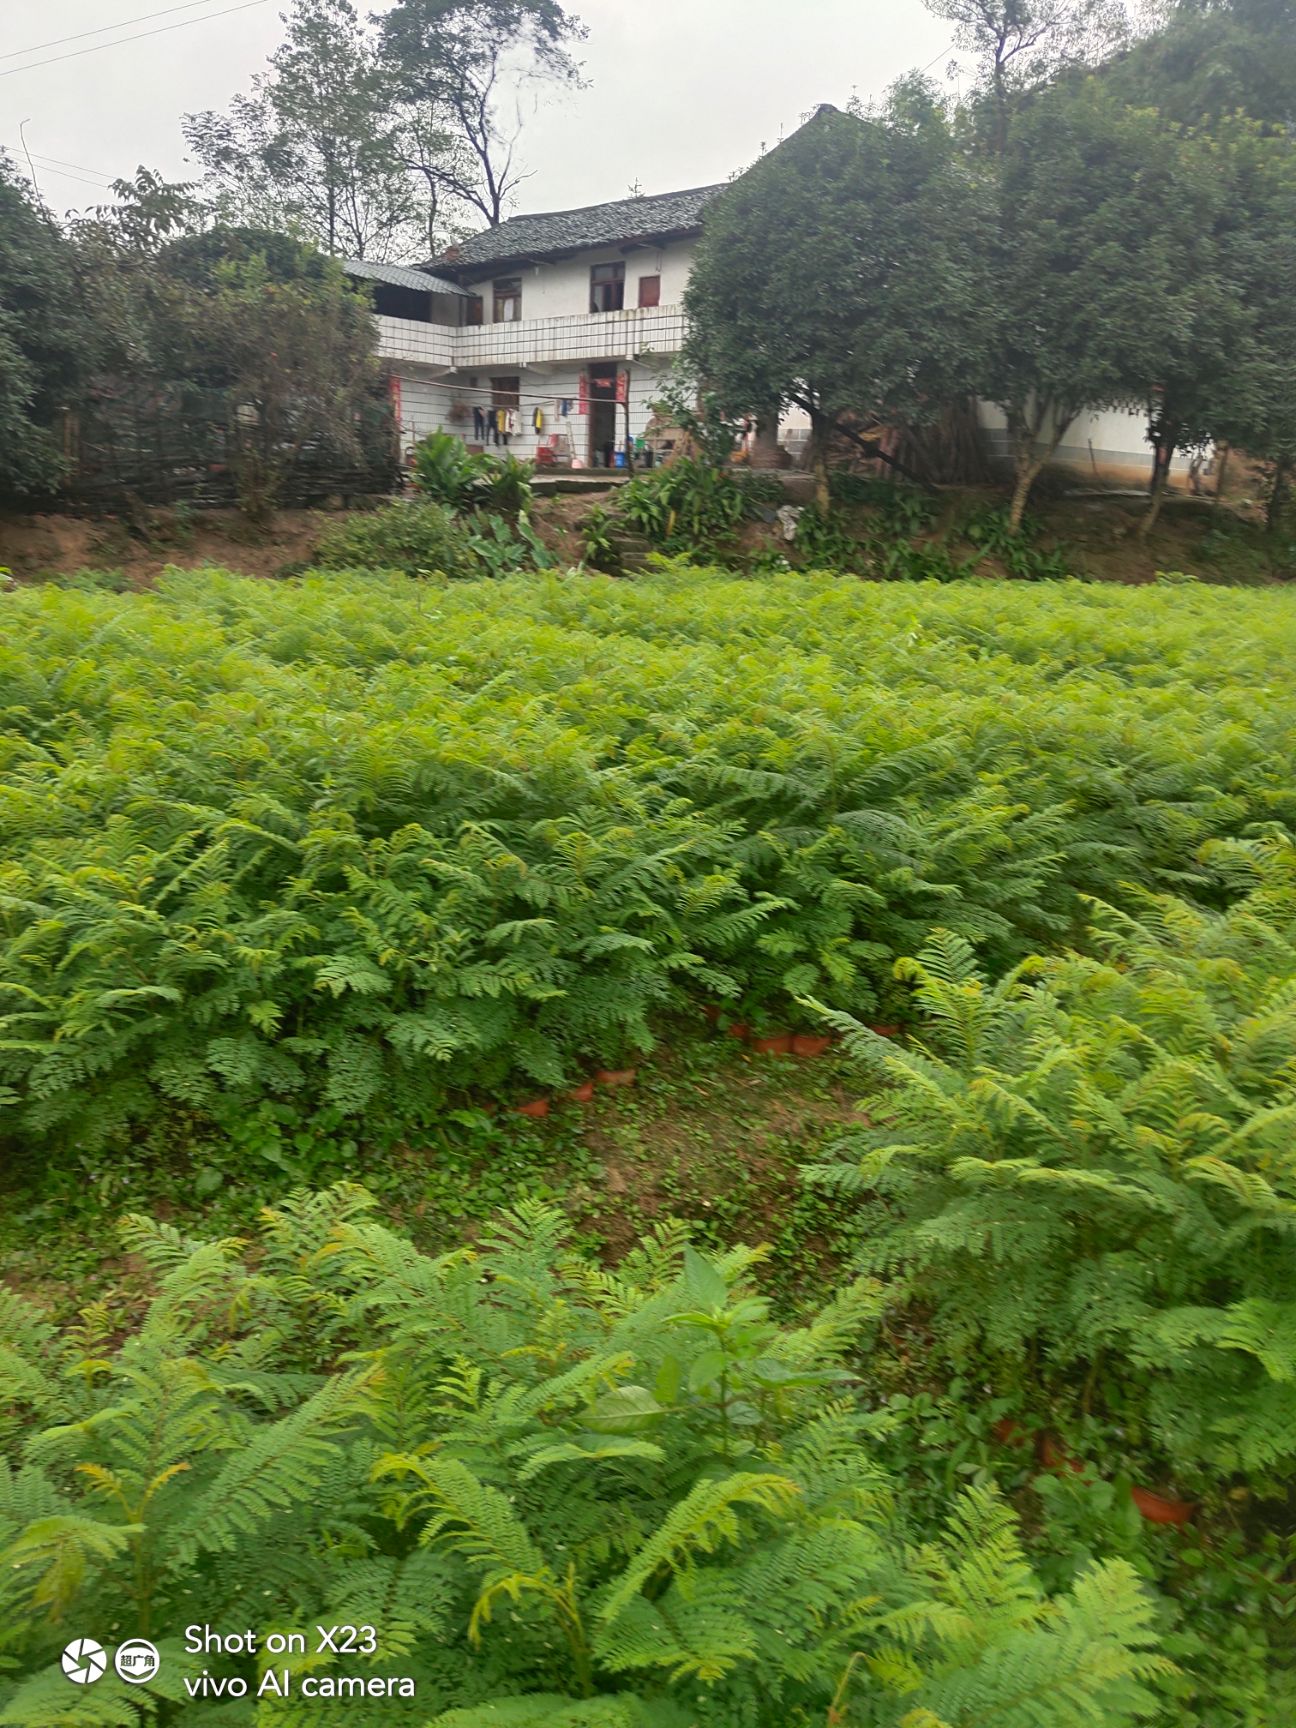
{"x":298,"y":877}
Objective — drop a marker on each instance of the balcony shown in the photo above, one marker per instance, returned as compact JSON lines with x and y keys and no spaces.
{"x":424,"y":344}
{"x":534,"y":341}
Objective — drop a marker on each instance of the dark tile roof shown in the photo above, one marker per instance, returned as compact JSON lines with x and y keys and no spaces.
{"x":557,"y":231}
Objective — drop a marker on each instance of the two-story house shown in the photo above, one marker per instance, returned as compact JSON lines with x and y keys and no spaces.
{"x":556,"y":332}
{"x":553,"y":331}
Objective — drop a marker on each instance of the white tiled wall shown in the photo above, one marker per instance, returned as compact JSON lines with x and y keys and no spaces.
{"x":537,"y":389}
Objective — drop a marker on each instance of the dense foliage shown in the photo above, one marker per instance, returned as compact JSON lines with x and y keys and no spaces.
{"x":343,"y":848}
{"x":1086,"y":228}
{"x":543,"y":1494}
{"x":414,"y":536}
{"x":1086,"y":1175}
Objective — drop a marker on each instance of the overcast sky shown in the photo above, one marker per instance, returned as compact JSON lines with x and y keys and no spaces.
{"x":681,"y":92}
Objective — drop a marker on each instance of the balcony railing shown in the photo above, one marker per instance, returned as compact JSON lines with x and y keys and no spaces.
{"x":535,"y":341}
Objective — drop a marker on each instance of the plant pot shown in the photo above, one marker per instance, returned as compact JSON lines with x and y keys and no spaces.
{"x":810,"y":1043}
{"x":1159,"y":1509}
{"x":533,"y":1107}
{"x":580,"y":1094}
{"x":738,"y":1029}
{"x":616,"y":1076}
{"x":886,"y":1031}
{"x":772,"y":1044}
{"x":711,"y":1012}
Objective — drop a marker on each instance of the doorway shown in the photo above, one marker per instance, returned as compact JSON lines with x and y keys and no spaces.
{"x":603,"y":414}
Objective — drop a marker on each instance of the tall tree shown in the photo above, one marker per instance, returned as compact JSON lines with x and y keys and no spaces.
{"x":1207,"y":59}
{"x":463,"y":65}
{"x":843,"y":273}
{"x":1260,"y":411}
{"x":1018,"y":46}
{"x":318,"y":146}
{"x":45,"y":340}
{"x":1090,"y":288}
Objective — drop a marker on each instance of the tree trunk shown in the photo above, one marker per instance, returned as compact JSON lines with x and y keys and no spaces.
{"x":1162,"y":456}
{"x":1030,"y":455}
{"x":1280,"y":495}
{"x":819,"y":435}
{"x":1027,"y":473}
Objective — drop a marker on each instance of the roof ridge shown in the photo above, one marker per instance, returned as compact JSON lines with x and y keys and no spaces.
{"x":604,"y":204}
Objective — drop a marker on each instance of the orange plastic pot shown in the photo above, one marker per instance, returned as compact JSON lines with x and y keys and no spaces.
{"x":738,"y":1029}
{"x":886,"y":1031}
{"x":810,"y":1043}
{"x":580,"y":1094}
{"x":1158,"y":1509}
{"x":533,"y":1107}
{"x":774,"y":1044}
{"x":711,"y":1012}
{"x":616,"y":1076}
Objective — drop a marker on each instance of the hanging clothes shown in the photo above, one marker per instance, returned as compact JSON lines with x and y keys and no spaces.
{"x":538,"y":420}
{"x":479,"y":424}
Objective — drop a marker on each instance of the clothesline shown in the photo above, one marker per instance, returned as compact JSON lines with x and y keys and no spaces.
{"x":528,"y":396}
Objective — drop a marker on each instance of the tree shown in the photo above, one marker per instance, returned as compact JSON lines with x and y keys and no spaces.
{"x":1088,"y":267}
{"x":1020,"y":45}
{"x":44,"y":339}
{"x":318,"y":146}
{"x":1260,"y":410}
{"x":457,"y":64}
{"x":293,"y":350}
{"x":1212,"y":58}
{"x":844,"y":273}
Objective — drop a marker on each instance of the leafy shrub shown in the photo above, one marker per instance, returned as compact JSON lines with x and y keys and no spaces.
{"x":824,"y":543}
{"x":505,"y":548}
{"x":446,"y":471}
{"x":327,"y":845}
{"x":1086,"y":1168}
{"x":687,"y":505}
{"x":597,"y":539}
{"x":419,"y":538}
{"x":991,"y":533}
{"x":898,"y":561}
{"x":542,"y":1493}
{"x":759,"y":490}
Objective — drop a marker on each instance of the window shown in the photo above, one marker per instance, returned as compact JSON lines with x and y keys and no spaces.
{"x":607,"y":287}
{"x":508,"y":299}
{"x":505,"y":393}
{"x":650,"y":290}
{"x":473,"y":309}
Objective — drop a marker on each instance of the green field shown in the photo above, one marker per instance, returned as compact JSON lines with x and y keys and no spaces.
{"x":308,"y":882}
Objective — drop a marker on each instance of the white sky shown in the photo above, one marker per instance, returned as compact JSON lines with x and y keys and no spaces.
{"x":682,"y":92}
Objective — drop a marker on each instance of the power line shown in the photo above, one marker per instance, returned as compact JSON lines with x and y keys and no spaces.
{"x":121,"y":41}
{"x":940,"y":56}
{"x":102,"y":29}
{"x":59,"y":162}
{"x":62,"y":174}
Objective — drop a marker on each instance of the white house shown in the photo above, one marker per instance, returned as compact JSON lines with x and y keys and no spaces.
{"x":565,"y":324}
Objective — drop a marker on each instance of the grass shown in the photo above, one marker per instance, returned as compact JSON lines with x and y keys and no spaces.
{"x":710,"y":1133}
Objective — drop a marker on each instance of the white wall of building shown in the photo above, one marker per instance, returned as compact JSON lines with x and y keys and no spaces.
{"x":1107,"y":443}
{"x":426,"y":407}
{"x":558,"y":337}
{"x":562,"y":289}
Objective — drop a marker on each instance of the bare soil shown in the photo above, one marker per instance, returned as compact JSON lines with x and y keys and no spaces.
{"x":141,"y":548}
